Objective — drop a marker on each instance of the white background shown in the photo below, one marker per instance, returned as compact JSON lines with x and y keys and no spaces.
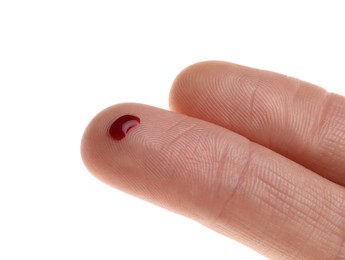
{"x":61,"y":62}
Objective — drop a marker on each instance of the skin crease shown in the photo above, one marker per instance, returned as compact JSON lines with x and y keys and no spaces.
{"x":252,"y":154}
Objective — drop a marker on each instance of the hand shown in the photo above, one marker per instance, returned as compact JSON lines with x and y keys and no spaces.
{"x":254,"y":155}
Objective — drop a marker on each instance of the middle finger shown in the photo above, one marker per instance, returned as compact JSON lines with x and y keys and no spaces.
{"x":294,"y":118}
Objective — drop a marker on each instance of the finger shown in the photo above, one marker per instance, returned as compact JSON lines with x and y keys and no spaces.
{"x":220,"y":179}
{"x":294,"y":118}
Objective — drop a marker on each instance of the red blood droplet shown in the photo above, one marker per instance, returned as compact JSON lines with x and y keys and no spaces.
{"x":122,"y":125}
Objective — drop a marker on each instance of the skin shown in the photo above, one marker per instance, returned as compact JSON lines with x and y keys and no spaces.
{"x":252,"y":154}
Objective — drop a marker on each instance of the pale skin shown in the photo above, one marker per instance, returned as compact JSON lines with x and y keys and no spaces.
{"x":252,"y":154}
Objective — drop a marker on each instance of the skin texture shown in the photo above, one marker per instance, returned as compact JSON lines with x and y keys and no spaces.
{"x":252,"y":154}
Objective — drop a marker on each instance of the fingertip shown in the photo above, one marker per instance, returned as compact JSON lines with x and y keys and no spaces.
{"x":124,"y":146}
{"x":104,"y":138}
{"x":191,"y":80}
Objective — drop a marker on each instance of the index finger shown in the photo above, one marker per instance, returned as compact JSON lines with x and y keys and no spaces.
{"x":219,"y":178}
